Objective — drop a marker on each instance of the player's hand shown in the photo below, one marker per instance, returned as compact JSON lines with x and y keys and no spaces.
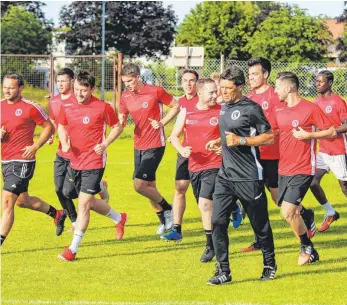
{"x":29,"y":152}
{"x":156,"y":124}
{"x":213,"y":145}
{"x":300,"y":134}
{"x":51,"y":140}
{"x":219,"y":150}
{"x":232,"y":139}
{"x":100,"y":148}
{"x":186,"y":151}
{"x":3,"y":133}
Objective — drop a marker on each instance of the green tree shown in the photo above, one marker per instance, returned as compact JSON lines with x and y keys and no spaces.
{"x":342,"y":41}
{"x":290,"y":35}
{"x":23,"y":33}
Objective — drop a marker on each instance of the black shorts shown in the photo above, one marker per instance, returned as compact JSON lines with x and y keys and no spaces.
{"x":87,"y":181}
{"x":293,"y":188}
{"x":17,"y":175}
{"x":270,"y":173}
{"x":182,"y":172}
{"x":147,"y":162}
{"x":63,"y":178}
{"x":203,"y":183}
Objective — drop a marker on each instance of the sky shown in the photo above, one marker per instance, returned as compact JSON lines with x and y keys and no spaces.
{"x":181,"y":8}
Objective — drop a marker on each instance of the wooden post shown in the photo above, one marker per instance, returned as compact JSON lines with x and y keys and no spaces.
{"x":222,"y":59}
{"x":187,"y":58}
{"x":119,"y":70}
{"x":114,"y":94}
{"x":51,"y":77}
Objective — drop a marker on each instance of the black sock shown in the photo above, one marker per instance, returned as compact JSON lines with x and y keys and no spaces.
{"x":161,"y":217}
{"x":209,"y":238}
{"x":305,"y":241}
{"x":303,"y":213}
{"x":2,"y":239}
{"x":165,"y":205}
{"x":178,"y":228}
{"x":52,"y":212}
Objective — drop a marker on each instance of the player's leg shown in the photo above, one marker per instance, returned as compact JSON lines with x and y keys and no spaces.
{"x":8,"y":200}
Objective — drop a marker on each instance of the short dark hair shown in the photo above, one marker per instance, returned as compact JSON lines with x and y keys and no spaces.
{"x":17,"y":77}
{"x":86,"y":79}
{"x":289,"y":76}
{"x":192,"y":72}
{"x":131,"y":70}
{"x":234,"y":74}
{"x":264,"y":62}
{"x":66,"y":71}
{"x":203,"y":81}
{"x":328,"y":74}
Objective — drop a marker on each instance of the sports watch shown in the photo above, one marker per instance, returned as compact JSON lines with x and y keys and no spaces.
{"x":243,"y":141}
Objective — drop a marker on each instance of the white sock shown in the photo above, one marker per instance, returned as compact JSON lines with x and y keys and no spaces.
{"x":329,"y":209}
{"x":114,"y":216}
{"x":77,"y":238}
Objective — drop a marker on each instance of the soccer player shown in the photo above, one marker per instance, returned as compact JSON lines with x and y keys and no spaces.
{"x":145,"y":104}
{"x":243,"y":127}
{"x":264,"y":95}
{"x":332,"y":152}
{"x":200,"y":125}
{"x":64,"y":186}
{"x":84,"y":123}
{"x":19,"y":118}
{"x":182,"y":180}
{"x":296,"y":122}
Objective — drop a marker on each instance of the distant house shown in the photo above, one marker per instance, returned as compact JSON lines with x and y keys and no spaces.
{"x":336,"y":29}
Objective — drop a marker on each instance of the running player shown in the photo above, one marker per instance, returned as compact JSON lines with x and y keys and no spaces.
{"x":332,"y":152}
{"x":145,"y":104}
{"x":19,"y":118}
{"x":296,"y":122}
{"x":84,"y":124}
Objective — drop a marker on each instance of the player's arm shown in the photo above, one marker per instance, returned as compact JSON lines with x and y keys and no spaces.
{"x":342,"y":128}
{"x":62,"y":131}
{"x":302,"y":134}
{"x":175,"y":109}
{"x":266,"y":138}
{"x":342,"y":111}
{"x":177,"y":131}
{"x":123,"y":112}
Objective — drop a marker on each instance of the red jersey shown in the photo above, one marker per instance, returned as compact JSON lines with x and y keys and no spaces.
{"x":86,"y":126}
{"x":268,"y":101}
{"x":142,"y":106}
{"x":54,"y":109}
{"x":334,"y":107}
{"x":298,"y":156}
{"x":190,"y":106}
{"x":202,"y":126}
{"x":19,"y":120}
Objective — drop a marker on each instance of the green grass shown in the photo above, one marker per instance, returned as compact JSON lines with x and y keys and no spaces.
{"x":142,"y":269}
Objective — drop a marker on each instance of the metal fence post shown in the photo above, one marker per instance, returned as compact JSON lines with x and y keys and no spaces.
{"x":222,"y":59}
{"x":119,"y":70}
{"x":51,"y":76}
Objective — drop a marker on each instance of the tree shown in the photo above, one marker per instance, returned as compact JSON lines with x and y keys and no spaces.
{"x":23,"y":33}
{"x":134,"y":28}
{"x":30,"y":6}
{"x":342,"y":41}
{"x":290,"y":35}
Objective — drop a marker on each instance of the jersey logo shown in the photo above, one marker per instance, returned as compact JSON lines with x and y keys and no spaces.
{"x":265,"y":105}
{"x":86,"y":120}
{"x":295,"y":123}
{"x":66,"y":105}
{"x":144,"y":105}
{"x":213,"y":121}
{"x":235,"y":115}
{"x":18,"y":112}
{"x":328,"y":109}
{"x":144,"y":176}
{"x":191,"y":122}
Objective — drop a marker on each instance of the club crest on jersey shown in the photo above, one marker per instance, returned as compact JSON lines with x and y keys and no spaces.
{"x":265,"y":105}
{"x":328,"y":109}
{"x":18,"y":112}
{"x":214,"y":121}
{"x":86,"y":120}
{"x":144,"y":105}
{"x":235,"y":115}
{"x":295,"y":123}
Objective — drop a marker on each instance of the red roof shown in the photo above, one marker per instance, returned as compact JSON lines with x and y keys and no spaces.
{"x":336,"y":28}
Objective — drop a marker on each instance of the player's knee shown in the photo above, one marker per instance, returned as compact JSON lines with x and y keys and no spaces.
{"x":140,"y":187}
{"x":205,"y":206}
{"x":219,"y":222}
{"x":344,"y":188}
{"x":7,"y":204}
{"x":289,"y":216}
{"x":315,"y":184}
{"x":21,"y":203}
{"x":181,"y":186}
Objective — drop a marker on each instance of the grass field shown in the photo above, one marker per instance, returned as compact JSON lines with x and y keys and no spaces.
{"x":141,"y":269}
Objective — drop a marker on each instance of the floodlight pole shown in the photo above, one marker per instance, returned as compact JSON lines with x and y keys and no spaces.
{"x":103,"y":50}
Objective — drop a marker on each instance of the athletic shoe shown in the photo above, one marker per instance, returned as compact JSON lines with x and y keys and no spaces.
{"x":208,"y":255}
{"x":308,"y":255}
{"x":268,"y":273}
{"x":328,"y":220}
{"x":236,"y":218}
{"x":168,"y":219}
{"x":104,"y":195}
{"x":242,"y":210}
{"x":59,"y":221}
{"x":310,"y":224}
{"x":161,"y":229}
{"x":254,"y":246}
{"x":120,"y":226}
{"x":172,"y":235}
{"x":67,"y":255}
{"x":220,"y":277}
